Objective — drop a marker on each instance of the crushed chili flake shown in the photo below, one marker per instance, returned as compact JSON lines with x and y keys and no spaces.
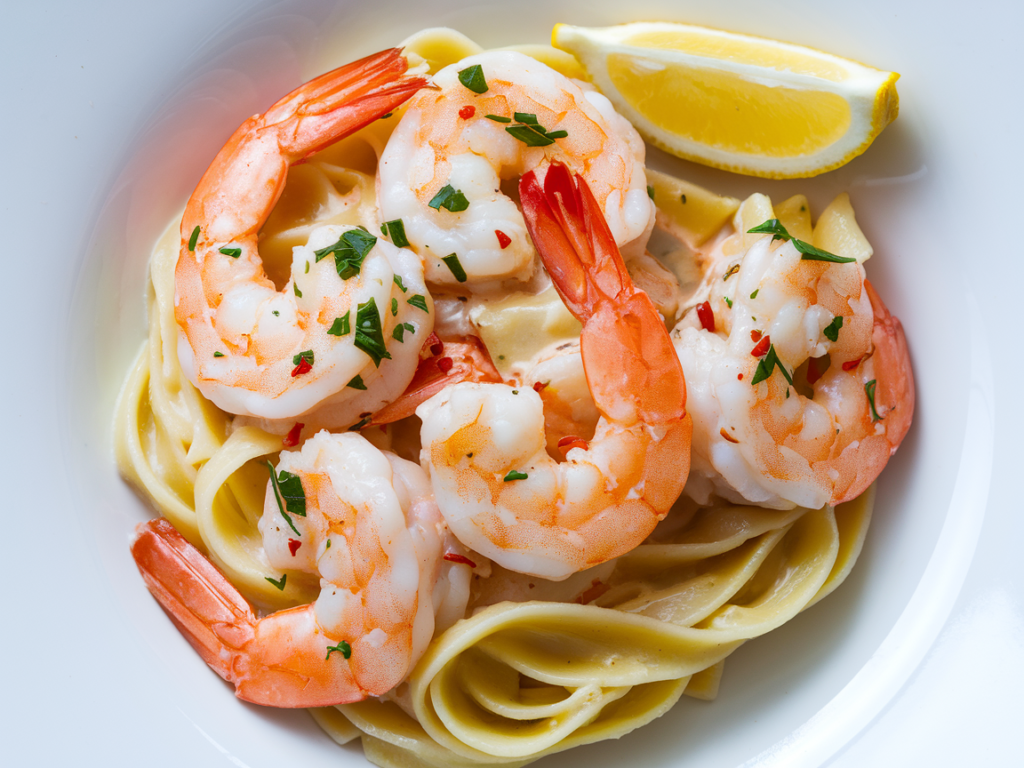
{"x":303,"y":367}
{"x":849,"y":365}
{"x":813,"y":372}
{"x":726,"y":435}
{"x":445,"y":364}
{"x":503,"y":240}
{"x":706,"y":316}
{"x":755,"y":335}
{"x":434,"y":344}
{"x":762,"y":347}
{"x":454,"y":557}
{"x":467,"y":112}
{"x":538,"y":386}
{"x":293,"y":546}
{"x":292,"y":438}
{"x":739,"y":376}
{"x":567,"y":443}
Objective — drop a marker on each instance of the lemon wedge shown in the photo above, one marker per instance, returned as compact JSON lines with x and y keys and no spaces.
{"x":737,"y":102}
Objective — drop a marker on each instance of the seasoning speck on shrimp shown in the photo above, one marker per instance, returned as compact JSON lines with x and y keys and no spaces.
{"x":442,"y":170}
{"x":325,"y":339}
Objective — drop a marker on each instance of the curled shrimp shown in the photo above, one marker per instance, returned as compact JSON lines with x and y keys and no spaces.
{"x":460,"y":139}
{"x":368,"y":527}
{"x":497,"y":487}
{"x":330,"y":337}
{"x":799,"y":378}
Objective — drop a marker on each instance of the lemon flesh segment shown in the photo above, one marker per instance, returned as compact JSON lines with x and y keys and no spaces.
{"x":742,"y":103}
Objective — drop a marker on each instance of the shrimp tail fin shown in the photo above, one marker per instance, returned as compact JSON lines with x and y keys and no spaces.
{"x":211,"y":614}
{"x":624,"y":337}
{"x":342,"y":101}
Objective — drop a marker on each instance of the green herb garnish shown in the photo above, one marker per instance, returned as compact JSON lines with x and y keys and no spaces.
{"x":343,"y":648}
{"x":369,"y":336}
{"x":349,"y":252}
{"x":398,"y":281}
{"x":419,"y":301}
{"x":295,"y":289}
{"x":515,"y":475}
{"x":279,"y":495}
{"x":340,"y":326}
{"x":218,"y":354}
{"x":650,"y":191}
{"x":397,"y":231}
{"x":473,"y":78}
{"x":869,"y":390}
{"x":452,"y":262}
{"x":279,"y":584}
{"x":807,"y":251}
{"x":831,"y":330}
{"x":193,"y":240}
{"x":399,"y":333}
{"x":359,"y":424}
{"x":356,"y":383}
{"x":450,"y":198}
{"x":499,"y":118}
{"x":754,"y":294}
{"x":728,"y":301}
{"x":234,"y":253}
{"x":767,"y":364}
{"x":307,"y":355}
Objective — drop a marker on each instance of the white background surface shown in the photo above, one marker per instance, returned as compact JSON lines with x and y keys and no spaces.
{"x":111,"y":112}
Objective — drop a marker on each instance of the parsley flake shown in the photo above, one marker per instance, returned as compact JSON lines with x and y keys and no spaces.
{"x":193,"y":240}
{"x":340,"y":326}
{"x":397,"y":231}
{"x":398,"y":281}
{"x":499,"y":118}
{"x":399,"y":333}
{"x":515,"y":475}
{"x":450,"y":198}
{"x":831,"y":331}
{"x":286,"y":484}
{"x":869,"y":390}
{"x":650,"y":191}
{"x":767,"y":364}
{"x":349,"y":252}
{"x":473,"y":78}
{"x":279,"y":584}
{"x":343,"y":648}
{"x":418,"y":301}
{"x":307,"y":355}
{"x":807,"y":251}
{"x":452,"y":262}
{"x":369,"y":335}
{"x":356,"y":383}
{"x":295,"y":288}
{"x":728,"y":301}
{"x":234,"y":253}
{"x":754,"y":294}
{"x":218,"y":354}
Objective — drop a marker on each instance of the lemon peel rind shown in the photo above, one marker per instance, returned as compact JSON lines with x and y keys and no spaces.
{"x":870,"y":92}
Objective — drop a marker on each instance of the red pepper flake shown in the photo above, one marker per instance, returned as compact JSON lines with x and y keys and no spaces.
{"x":454,"y":557}
{"x":569,"y":442}
{"x":467,"y":112}
{"x":762,"y":346}
{"x":539,"y":386}
{"x":292,"y":438}
{"x":445,"y":364}
{"x":303,"y":367}
{"x":293,"y":546}
{"x":849,"y":365}
{"x":725,"y":434}
{"x":755,"y":336}
{"x":813,"y":372}
{"x":434,"y":344}
{"x":739,"y":376}
{"x":706,"y":316}
{"x":503,"y":240}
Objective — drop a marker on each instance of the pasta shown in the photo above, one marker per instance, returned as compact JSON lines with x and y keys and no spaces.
{"x":513,"y":681}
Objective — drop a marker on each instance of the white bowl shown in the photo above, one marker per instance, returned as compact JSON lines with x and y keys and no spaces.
{"x":111,"y":115}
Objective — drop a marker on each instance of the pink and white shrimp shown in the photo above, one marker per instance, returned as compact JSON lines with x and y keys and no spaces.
{"x":365,"y":522}
{"x":799,"y":378}
{"x":499,"y":490}
{"x":328,"y":338}
{"x":494,"y":117}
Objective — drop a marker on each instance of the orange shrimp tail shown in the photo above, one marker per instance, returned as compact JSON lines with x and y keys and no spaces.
{"x":628,"y":355}
{"x":203,"y":605}
{"x":463,"y":358}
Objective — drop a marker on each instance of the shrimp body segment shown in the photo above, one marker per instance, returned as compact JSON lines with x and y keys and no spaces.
{"x":257,"y":351}
{"x":497,"y":487}
{"x":372,"y":533}
{"x":460,"y":139}
{"x":821,"y":438}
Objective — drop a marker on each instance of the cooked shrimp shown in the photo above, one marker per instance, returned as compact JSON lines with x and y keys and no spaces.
{"x":839,"y":395}
{"x":497,"y":487}
{"x":330,"y":337}
{"x":365,"y":522}
{"x":449,"y":139}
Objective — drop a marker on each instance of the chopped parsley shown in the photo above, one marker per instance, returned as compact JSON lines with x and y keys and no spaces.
{"x":279,"y":584}
{"x":356,"y":383}
{"x":234,"y":253}
{"x":450,"y":198}
{"x":193,"y":240}
{"x":473,"y":78}
{"x":397,"y":280}
{"x":295,"y":288}
{"x":727,"y":301}
{"x":499,"y":118}
{"x":515,"y":475}
{"x":831,"y":330}
{"x":869,"y":390}
{"x":340,"y":326}
{"x":399,"y":333}
{"x":754,"y":294}
{"x":343,"y":648}
{"x":807,"y":251}
{"x":359,"y":424}
{"x":397,"y":231}
{"x":349,"y":252}
{"x":531,"y":133}
{"x":394,"y":307}
{"x":218,"y":354}
{"x":306,"y":355}
{"x":369,"y":335}
{"x":289,"y":495}
{"x":766,"y":365}
{"x":452,"y":262}
{"x":650,"y":191}
{"x":419,"y":301}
